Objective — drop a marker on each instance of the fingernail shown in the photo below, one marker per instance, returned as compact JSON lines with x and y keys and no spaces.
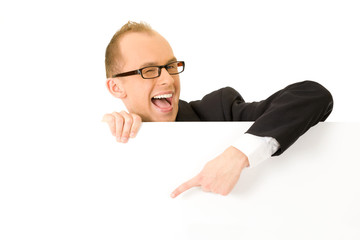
{"x":172,"y":195}
{"x":124,"y":139}
{"x":132,"y":134}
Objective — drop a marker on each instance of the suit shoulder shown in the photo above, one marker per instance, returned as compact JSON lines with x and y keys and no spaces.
{"x":216,"y":105}
{"x":219,"y":94}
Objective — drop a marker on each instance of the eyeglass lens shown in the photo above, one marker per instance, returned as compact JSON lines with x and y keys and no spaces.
{"x":172,"y":68}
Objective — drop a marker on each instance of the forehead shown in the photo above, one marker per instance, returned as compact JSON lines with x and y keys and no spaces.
{"x":138,"y":48}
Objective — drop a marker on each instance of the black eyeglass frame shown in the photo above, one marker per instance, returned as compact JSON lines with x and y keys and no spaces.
{"x":139,"y":71}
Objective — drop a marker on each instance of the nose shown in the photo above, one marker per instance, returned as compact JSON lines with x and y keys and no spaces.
{"x":165,"y":78}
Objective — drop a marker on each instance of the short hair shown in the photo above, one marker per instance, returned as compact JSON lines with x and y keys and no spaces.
{"x":112,"y":54}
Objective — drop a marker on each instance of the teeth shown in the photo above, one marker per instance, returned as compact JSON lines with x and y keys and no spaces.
{"x":163,"y":96}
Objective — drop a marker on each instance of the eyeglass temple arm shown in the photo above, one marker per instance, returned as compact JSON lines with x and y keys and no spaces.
{"x":125,"y":74}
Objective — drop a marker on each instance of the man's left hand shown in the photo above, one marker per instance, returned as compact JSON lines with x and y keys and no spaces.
{"x":219,"y":175}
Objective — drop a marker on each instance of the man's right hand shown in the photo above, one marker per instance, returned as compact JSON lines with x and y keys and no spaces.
{"x":123,"y":125}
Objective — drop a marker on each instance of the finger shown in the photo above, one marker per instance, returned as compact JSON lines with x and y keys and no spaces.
{"x":194,"y":182}
{"x":128,"y":122}
{"x":136,"y":125}
{"x":119,"y":122}
{"x":110,"y":120}
{"x":207,"y":188}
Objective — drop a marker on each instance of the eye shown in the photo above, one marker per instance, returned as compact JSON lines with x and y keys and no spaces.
{"x":149,"y":70}
{"x":171,"y":66}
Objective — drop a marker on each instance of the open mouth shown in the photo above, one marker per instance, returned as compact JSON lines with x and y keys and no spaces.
{"x":163,"y":102}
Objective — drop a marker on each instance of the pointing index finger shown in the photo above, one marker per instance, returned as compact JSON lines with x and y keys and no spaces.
{"x":194,"y":182}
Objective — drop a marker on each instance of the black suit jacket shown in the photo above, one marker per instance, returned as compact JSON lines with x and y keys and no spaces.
{"x":285,"y":115}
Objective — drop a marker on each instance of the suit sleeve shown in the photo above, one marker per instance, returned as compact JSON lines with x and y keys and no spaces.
{"x":285,"y":115}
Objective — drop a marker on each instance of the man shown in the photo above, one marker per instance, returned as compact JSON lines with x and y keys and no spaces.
{"x":143,"y":72}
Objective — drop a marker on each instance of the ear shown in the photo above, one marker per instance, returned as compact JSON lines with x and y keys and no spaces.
{"x":116,"y":88}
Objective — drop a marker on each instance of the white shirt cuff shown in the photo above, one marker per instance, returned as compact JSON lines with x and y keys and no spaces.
{"x":256,"y":148}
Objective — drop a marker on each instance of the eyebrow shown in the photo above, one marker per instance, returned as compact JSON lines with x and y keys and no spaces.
{"x":149,"y":64}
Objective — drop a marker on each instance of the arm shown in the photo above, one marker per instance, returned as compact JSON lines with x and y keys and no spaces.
{"x":283,"y":117}
{"x":287,"y":114}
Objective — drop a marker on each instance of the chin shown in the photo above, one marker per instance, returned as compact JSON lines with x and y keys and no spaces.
{"x":164,"y":119}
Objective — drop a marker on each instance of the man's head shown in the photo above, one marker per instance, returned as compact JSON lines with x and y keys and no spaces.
{"x":133,"y":47}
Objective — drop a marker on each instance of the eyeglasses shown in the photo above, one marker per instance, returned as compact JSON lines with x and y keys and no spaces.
{"x":155,"y":71}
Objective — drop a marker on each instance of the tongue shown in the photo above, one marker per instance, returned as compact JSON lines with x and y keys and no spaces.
{"x":161,"y":103}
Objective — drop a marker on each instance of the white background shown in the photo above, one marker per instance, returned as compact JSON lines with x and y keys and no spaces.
{"x":53,"y":95}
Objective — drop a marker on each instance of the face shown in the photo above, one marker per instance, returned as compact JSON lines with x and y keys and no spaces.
{"x":154,"y":100}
